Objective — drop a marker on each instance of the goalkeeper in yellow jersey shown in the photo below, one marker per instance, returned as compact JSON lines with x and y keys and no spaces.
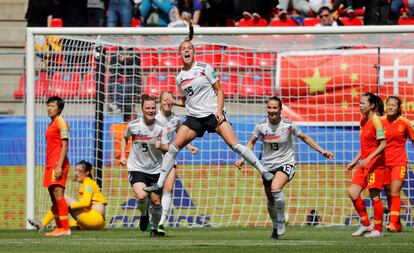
{"x":89,"y":209}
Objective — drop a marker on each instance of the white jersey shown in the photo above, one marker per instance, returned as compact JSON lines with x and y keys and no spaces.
{"x":172,"y":123}
{"x":277,"y":142}
{"x":144,"y":157}
{"x":196,"y":85}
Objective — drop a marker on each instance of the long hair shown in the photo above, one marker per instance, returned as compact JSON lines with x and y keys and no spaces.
{"x":376,"y":101}
{"x":399,"y":102}
{"x":190,"y":33}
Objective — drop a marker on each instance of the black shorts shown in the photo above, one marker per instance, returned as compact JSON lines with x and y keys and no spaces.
{"x":141,"y":177}
{"x":201,"y":125}
{"x":287,"y":169}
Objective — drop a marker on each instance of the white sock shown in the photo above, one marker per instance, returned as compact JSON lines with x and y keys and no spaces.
{"x":166,"y":203}
{"x":249,"y":156}
{"x":280,"y":205}
{"x":271,"y":208}
{"x":167,"y":164}
{"x":156,"y":215}
{"x":142,"y":206}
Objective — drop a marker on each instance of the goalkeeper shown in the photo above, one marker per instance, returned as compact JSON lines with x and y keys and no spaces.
{"x":89,"y":210}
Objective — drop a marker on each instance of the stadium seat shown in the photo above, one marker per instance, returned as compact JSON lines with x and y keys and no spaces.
{"x":311,"y":21}
{"x":212,"y":59}
{"x":261,"y":22}
{"x":56,"y":22}
{"x":283,"y":22}
{"x":230,"y":83}
{"x":135,"y":22}
{"x":351,"y":21}
{"x":208,"y":48}
{"x":41,"y":86}
{"x":257,"y":84}
{"x":170,"y":60}
{"x":65,"y":84}
{"x":406,"y":21}
{"x":88,"y":86}
{"x":157,"y":82}
{"x":237,"y":58}
{"x":265,"y":60}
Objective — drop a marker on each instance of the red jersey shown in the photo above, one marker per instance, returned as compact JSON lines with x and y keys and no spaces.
{"x":57,"y":131}
{"x":370,"y":135}
{"x":396,"y":134}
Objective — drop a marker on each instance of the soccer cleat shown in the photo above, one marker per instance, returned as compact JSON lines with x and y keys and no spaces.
{"x":153,"y":188}
{"x":266,"y":175}
{"x":362,"y":230}
{"x":37,"y":224}
{"x":281,"y":228}
{"x":154,"y":233}
{"x":374,"y":233}
{"x":394,"y":228}
{"x":161,"y":230}
{"x":59,"y":232}
{"x":143,"y":222}
{"x":274,"y":235}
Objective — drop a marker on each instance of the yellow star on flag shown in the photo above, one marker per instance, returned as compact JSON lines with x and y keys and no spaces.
{"x":316,"y":82}
{"x":354,"y":77}
{"x":344,"y":105}
{"x":354,"y":93}
{"x":344,"y":66}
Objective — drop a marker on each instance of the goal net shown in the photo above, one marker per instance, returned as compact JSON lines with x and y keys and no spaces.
{"x":320,"y":74}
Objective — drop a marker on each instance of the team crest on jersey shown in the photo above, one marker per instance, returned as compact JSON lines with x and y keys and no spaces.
{"x":400,"y":128}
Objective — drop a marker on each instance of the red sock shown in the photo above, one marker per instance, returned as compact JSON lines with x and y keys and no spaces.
{"x":378,"y":214}
{"x":361,"y":209}
{"x":63,"y":213}
{"x":56,"y":214}
{"x":395,"y":209}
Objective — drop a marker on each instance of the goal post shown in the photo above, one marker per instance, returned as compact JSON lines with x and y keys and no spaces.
{"x":319,"y":72}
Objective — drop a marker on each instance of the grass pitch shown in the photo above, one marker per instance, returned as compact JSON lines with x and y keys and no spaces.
{"x":200,"y":240}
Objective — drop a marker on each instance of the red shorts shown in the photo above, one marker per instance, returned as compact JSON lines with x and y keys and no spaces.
{"x":50,"y":179}
{"x":369,"y":178}
{"x":395,"y":172}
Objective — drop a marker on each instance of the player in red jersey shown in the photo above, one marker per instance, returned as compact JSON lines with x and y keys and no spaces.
{"x":397,"y":129}
{"x":370,"y":172}
{"x":57,"y":164}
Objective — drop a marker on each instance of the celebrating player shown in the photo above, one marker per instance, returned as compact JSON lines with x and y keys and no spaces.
{"x":149,"y":142}
{"x":89,"y":210}
{"x":278,"y":157}
{"x":167,"y":118}
{"x":57,"y":164}
{"x":370,"y":172}
{"x":203,"y":98}
{"x":397,"y":128}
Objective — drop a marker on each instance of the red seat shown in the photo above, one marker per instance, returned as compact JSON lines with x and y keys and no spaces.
{"x":41,"y":86}
{"x":212,"y":59}
{"x":256,"y":84}
{"x":283,"y":22}
{"x":56,"y":22}
{"x":88,"y":86}
{"x":237,"y":58}
{"x":311,"y":21}
{"x":261,"y":22}
{"x":230,"y":83}
{"x":208,"y":48}
{"x":351,"y":21}
{"x":157,"y":82}
{"x":265,"y":60}
{"x":135,"y":22}
{"x":406,"y":21}
{"x":170,"y":60}
{"x":65,"y":84}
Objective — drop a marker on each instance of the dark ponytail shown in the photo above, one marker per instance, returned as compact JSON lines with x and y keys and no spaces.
{"x":87,"y":166}
{"x":377,"y":101}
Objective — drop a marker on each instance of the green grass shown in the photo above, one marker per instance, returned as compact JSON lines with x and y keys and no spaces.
{"x":200,"y":240}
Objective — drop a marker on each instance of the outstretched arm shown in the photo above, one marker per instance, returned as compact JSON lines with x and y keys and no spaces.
{"x":311,"y":143}
{"x":249,"y":145}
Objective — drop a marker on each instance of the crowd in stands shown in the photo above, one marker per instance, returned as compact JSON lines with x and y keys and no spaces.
{"x":173,"y":13}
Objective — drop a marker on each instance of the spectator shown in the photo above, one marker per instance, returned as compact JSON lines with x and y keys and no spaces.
{"x":394,"y":12}
{"x":217,"y":12}
{"x":38,"y":12}
{"x":349,"y":5}
{"x":188,"y":9}
{"x":376,"y":12}
{"x":315,"y":5}
{"x":119,"y":11}
{"x":156,"y":12}
{"x":96,"y":13}
{"x":124,"y":87}
{"x":301,"y":6}
{"x":74,"y":13}
{"x":326,"y":18}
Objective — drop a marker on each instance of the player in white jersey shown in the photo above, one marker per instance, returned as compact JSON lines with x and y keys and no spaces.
{"x":278,"y":156}
{"x":149,"y":143}
{"x":167,"y":118}
{"x":204,"y":99}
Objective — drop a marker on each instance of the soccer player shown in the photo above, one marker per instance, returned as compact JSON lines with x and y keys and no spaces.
{"x":203,"y":98}
{"x":149,"y":143}
{"x":370,"y":172}
{"x":57,"y":164}
{"x":167,"y":118}
{"x":89,"y":209}
{"x":278,"y":157}
{"x":397,"y":129}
